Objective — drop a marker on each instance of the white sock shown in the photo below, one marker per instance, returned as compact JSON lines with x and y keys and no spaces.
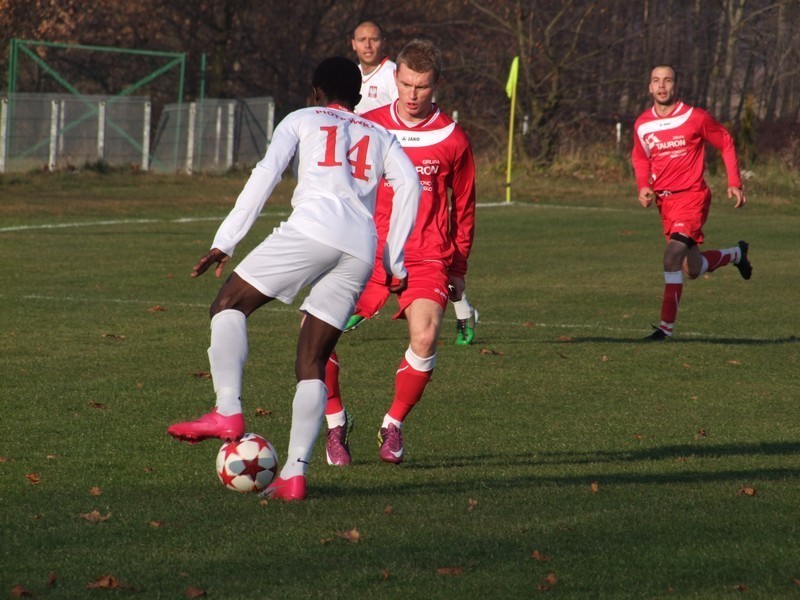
{"x":387,"y":420}
{"x":226,"y":356}
{"x":336,"y":419}
{"x":463,"y":308}
{"x":308,"y":411}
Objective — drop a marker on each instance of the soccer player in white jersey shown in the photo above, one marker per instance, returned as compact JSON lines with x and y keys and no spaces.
{"x":669,"y":159}
{"x":436,"y":252}
{"x":329,"y":242}
{"x":377,"y":71}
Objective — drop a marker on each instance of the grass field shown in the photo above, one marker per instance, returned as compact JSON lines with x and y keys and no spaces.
{"x":559,"y":454}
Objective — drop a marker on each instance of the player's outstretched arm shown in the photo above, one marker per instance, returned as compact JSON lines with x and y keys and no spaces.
{"x":213,"y":256}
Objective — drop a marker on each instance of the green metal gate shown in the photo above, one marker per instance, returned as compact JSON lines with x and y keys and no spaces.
{"x":18,"y":144}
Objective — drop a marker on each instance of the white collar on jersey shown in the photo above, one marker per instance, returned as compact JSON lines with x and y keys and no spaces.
{"x":411,"y":125}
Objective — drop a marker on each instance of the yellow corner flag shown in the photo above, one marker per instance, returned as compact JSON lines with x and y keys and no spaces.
{"x":513,"y":74}
{"x":511,"y":91}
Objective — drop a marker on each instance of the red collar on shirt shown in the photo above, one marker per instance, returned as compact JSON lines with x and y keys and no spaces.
{"x":367,"y":77}
{"x":339,"y":107}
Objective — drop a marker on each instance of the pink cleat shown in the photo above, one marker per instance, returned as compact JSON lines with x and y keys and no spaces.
{"x":391,"y":441}
{"x":211,"y":425}
{"x":288,"y":490}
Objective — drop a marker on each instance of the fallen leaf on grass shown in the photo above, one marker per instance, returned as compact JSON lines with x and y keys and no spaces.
{"x":34,"y":478}
{"x":449,"y":571}
{"x":156,"y":524}
{"x":100,"y":405}
{"x":734,"y":362}
{"x":20,"y":591}
{"x":796,"y":581}
{"x":156,"y":308}
{"x":528,"y":324}
{"x":114,"y":336}
{"x":95,"y":491}
{"x":472,"y":504}
{"x":605,"y":358}
{"x":262,"y":412}
{"x":638,"y":436}
{"x":109,"y":582}
{"x":701,"y":434}
{"x":747,"y":491}
{"x":564,"y":338}
{"x":492,"y":352}
{"x":388,"y":510}
{"x":4,"y":459}
{"x":51,"y":579}
{"x":193,"y":592}
{"x":386,"y":574}
{"x":352,"y":536}
{"x":595,"y":487}
{"x":322,"y":541}
{"x":201,"y":375}
{"x":551,"y":578}
{"x":741,"y":587}
{"x":95,"y":517}
{"x":540,"y":556}
{"x":52,"y":456}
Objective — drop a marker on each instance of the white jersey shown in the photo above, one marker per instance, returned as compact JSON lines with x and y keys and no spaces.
{"x":378,"y":87}
{"x":342,"y":160}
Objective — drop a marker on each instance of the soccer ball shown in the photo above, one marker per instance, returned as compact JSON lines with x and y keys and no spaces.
{"x":248,"y":464}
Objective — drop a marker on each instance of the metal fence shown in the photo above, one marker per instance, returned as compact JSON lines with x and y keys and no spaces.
{"x":213,"y":135}
{"x":55,"y":132}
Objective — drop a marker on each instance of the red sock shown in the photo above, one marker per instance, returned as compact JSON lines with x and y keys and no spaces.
{"x":716,"y":259}
{"x":669,"y":305}
{"x":408,"y":387}
{"x":334,"y":404}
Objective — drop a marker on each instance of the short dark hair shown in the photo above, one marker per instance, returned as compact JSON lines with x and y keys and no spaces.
{"x":339,"y":79}
{"x":421,"y":56}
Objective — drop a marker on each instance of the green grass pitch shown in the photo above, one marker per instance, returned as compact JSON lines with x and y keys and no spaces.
{"x":559,"y":454}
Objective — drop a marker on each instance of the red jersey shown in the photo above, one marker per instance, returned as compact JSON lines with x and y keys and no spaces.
{"x":669,"y":152}
{"x":442,"y":156}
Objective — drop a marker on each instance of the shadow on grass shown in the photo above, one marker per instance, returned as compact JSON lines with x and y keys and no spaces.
{"x":681,"y":340}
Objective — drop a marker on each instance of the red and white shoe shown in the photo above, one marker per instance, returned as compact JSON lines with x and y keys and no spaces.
{"x":211,"y":425}
{"x":288,"y":490}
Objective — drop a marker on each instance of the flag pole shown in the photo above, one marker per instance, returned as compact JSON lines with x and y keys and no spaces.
{"x":511,"y":91}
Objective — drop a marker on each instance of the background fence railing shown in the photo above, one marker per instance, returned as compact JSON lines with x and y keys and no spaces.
{"x":54,"y":132}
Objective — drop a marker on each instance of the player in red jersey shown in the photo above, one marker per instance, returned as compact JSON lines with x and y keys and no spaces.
{"x":668,"y":160}
{"x":436,"y":252}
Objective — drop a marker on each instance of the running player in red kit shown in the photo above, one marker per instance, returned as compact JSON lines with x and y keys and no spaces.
{"x":668,"y":160}
{"x":436,"y":252}
{"x":328,"y":243}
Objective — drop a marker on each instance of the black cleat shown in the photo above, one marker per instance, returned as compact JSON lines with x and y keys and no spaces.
{"x":744,"y":266}
{"x":658,"y":335}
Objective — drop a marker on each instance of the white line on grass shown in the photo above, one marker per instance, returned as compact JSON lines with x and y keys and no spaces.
{"x":183,"y":220}
{"x":280,"y":307}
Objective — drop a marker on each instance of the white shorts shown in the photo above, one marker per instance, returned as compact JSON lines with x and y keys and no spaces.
{"x":288,"y":260}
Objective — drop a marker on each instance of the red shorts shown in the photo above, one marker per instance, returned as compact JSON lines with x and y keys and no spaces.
{"x":685,"y":213}
{"x":427,"y":279}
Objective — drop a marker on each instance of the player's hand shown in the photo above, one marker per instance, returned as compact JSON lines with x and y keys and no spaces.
{"x":456,"y":288}
{"x":646,"y":196}
{"x":397,"y":286}
{"x":213,"y":256}
{"x":738,"y":193}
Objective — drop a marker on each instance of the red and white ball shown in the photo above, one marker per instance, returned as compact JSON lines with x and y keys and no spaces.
{"x":248,"y":464}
